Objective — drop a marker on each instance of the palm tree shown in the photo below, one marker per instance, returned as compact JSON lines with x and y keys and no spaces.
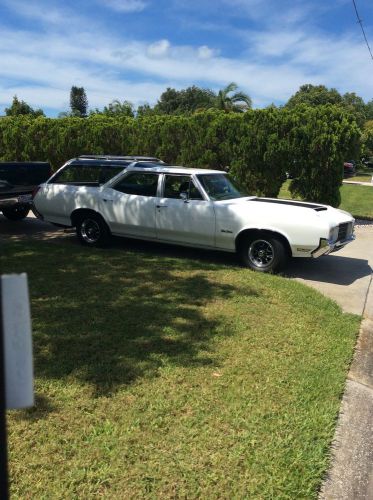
{"x":117,"y":107}
{"x":238,"y":102}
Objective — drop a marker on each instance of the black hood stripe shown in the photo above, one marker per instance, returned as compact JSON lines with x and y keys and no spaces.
{"x":312,"y":206}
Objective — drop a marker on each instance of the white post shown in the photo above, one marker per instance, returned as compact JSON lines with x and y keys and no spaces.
{"x":18,"y":364}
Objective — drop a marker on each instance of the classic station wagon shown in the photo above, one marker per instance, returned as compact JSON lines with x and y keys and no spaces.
{"x":192,"y":207}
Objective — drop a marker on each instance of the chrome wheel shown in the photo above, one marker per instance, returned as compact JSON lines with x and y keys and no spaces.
{"x":90,"y":231}
{"x":261,"y":253}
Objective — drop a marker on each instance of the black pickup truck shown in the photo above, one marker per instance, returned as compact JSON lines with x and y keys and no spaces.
{"x":17,"y":182}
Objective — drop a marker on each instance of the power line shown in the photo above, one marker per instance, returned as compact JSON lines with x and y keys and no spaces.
{"x":362,"y":28}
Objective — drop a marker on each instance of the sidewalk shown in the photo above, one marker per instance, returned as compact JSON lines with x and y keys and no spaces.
{"x":347,"y":278}
{"x":359,"y":183}
{"x":351,"y":473}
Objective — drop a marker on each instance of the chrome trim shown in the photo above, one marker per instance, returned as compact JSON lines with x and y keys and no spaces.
{"x":322,"y":249}
{"x":9,"y":201}
{"x":340,"y":244}
{"x":326,"y":246}
{"x":16,"y":200}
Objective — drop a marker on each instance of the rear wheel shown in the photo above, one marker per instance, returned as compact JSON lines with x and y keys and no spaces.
{"x":18,"y":212}
{"x":264,"y":253}
{"x":92,"y":231}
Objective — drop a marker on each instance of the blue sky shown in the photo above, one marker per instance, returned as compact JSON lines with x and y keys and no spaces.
{"x":135,"y":49}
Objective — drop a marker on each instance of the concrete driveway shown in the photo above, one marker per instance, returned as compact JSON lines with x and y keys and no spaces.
{"x":344,"y":276}
{"x":30,"y":227}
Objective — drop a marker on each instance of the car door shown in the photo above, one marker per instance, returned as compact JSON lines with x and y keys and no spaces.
{"x":182,"y":213}
{"x":128,"y":206}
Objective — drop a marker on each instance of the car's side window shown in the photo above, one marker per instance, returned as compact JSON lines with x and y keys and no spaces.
{"x":86,"y":175}
{"x":176,"y":184}
{"x":194,"y":192}
{"x":142,"y":184}
{"x":107,"y":173}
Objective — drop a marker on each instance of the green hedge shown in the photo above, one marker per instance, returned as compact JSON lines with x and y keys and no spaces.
{"x":259,"y":145}
{"x":321,"y":139}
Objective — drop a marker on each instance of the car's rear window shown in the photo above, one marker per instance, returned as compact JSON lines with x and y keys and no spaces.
{"x":86,"y":174}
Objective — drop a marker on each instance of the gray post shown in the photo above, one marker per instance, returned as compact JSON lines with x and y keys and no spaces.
{"x":16,"y":366}
{"x":3,"y":436}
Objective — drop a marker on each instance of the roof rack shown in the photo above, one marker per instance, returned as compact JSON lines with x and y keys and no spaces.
{"x":113,"y":157}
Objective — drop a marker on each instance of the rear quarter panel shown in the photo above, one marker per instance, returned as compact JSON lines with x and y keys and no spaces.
{"x":56,"y":202}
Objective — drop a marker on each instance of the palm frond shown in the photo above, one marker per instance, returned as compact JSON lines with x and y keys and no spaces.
{"x":242,"y":97}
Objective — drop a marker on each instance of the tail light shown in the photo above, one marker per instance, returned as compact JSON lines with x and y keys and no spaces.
{"x":35,"y":191}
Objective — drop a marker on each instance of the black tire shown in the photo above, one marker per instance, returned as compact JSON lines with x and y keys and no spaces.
{"x":264,"y":253}
{"x":18,"y":212}
{"x":92,"y":230}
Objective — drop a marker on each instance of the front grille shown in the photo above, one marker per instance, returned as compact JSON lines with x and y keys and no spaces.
{"x":344,"y":231}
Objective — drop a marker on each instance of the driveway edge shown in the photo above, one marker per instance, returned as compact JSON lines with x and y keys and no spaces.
{"x":351,"y":472}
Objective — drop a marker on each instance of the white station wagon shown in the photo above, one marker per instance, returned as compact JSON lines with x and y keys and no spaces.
{"x":191,"y":207}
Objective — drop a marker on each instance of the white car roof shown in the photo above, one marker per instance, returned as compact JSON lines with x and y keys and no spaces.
{"x":170,"y":169}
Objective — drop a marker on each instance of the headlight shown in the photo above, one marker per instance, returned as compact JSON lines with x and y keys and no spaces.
{"x":333,"y":233}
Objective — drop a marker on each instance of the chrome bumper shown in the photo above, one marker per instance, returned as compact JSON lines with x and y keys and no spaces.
{"x":327,"y":246}
{"x":23,"y":199}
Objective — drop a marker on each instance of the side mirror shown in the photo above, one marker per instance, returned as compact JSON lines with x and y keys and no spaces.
{"x":184,"y":197}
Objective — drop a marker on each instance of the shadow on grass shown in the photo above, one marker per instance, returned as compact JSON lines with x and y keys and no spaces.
{"x":170,"y":250}
{"x":110,"y":317}
{"x":42,"y":407}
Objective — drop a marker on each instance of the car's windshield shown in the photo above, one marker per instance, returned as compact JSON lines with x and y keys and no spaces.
{"x":221,"y":187}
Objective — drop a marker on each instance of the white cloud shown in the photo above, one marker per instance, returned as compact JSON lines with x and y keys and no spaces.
{"x":159,"y":49}
{"x":274,"y":44}
{"x":49,"y":15}
{"x":204,"y":52}
{"x":278,"y":60}
{"x":125,"y":5}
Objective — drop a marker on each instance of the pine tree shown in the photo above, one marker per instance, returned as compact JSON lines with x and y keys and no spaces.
{"x":78,"y":101}
{"x":22,"y":108}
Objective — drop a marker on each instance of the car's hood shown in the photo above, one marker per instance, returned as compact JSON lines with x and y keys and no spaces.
{"x":280,"y":208}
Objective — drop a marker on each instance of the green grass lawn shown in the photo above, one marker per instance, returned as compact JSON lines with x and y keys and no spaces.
{"x":165,"y":374}
{"x":358,"y":200}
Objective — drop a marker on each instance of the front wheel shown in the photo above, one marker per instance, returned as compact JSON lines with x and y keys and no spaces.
{"x":18,"y":212}
{"x":92,"y":231}
{"x":263,"y":253}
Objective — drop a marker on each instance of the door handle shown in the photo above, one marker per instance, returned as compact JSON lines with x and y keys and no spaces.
{"x":107,"y":199}
{"x":161,"y":206}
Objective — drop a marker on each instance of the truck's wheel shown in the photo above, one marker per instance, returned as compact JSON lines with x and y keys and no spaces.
{"x":263,"y":253}
{"x":92,"y":230}
{"x":17,"y":212}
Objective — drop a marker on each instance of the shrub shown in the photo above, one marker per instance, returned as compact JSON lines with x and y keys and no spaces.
{"x":259,"y":145}
{"x":321,"y":138}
